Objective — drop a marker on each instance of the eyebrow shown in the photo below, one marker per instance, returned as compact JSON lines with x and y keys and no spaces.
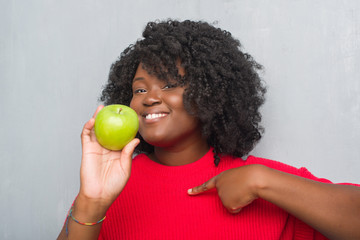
{"x":138,"y":79}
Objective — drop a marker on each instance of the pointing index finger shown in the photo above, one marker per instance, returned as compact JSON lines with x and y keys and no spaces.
{"x":206,"y":186}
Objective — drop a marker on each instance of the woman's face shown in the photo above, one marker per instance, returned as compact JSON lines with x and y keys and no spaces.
{"x":163,"y":120}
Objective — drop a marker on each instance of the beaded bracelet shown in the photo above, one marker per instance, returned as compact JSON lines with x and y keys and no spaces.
{"x":86,"y":224}
{"x":77,"y":221}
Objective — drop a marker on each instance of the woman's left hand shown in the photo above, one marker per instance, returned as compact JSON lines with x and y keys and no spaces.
{"x":237,"y":187}
{"x":331,"y":209}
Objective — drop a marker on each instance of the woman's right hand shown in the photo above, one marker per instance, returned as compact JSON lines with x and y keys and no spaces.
{"x":104,"y":173}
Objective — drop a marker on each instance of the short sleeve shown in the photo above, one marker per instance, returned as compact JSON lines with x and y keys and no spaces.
{"x":307,"y":174}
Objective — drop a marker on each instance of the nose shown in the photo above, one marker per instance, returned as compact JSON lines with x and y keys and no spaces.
{"x":152,"y":97}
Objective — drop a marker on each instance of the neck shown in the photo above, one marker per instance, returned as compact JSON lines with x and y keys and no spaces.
{"x":180,"y":155}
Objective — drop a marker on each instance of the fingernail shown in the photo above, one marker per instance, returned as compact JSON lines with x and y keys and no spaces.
{"x":189,"y":191}
{"x":234,"y":211}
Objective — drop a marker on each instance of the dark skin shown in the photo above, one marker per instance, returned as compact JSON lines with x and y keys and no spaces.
{"x":175,"y":134}
{"x":104,"y":173}
{"x":333,"y":210}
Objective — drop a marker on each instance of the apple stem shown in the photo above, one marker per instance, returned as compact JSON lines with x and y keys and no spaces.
{"x":120,"y":109}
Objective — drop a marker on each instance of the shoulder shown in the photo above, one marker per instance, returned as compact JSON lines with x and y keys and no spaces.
{"x":302,"y":171}
{"x":230,"y":162}
{"x":273,"y":164}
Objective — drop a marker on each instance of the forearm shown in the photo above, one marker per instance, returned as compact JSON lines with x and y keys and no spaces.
{"x":331,"y":209}
{"x":84,"y":211}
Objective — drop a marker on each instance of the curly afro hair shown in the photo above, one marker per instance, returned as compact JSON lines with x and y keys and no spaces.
{"x":223,"y":90}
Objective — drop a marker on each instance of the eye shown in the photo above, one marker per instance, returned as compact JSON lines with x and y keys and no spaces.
{"x":170,"y":85}
{"x":140,"y":90}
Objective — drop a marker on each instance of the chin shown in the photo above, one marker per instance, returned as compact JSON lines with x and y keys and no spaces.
{"x":159,"y":142}
{"x":155,"y":141}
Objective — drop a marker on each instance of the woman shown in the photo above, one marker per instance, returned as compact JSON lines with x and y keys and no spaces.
{"x":197,"y":97}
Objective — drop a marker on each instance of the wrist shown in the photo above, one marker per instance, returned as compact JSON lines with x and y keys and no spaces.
{"x":89,"y":210}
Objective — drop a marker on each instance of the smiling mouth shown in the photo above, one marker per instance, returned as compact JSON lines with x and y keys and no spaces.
{"x":155,"y":115}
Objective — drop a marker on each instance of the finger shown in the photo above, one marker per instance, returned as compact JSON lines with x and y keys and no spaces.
{"x":86,"y":132}
{"x":127,"y":152}
{"x":210,"y":184}
{"x":92,"y":133}
{"x":98,"y":110}
{"x":234,"y":210}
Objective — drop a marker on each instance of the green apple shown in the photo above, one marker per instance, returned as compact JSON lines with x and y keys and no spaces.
{"x":115,"y":126}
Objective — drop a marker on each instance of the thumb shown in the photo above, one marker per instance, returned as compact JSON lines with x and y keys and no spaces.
{"x":127,"y":151}
{"x":206,"y":186}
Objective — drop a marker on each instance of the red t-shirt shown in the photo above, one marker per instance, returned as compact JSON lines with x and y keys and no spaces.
{"x":155,"y":205}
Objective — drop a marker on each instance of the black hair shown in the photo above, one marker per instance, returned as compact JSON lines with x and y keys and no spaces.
{"x":224,"y":89}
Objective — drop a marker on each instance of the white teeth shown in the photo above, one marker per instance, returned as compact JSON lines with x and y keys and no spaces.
{"x":155,"y":115}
